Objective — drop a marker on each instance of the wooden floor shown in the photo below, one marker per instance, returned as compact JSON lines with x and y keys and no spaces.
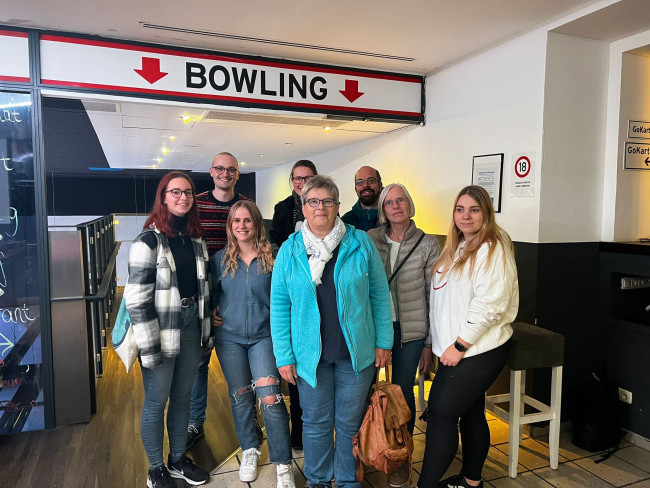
{"x":107,"y":451}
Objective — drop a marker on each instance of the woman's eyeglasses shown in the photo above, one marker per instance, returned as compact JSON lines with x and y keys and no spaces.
{"x":301,"y":179}
{"x":315,"y":202}
{"x":176,"y":193}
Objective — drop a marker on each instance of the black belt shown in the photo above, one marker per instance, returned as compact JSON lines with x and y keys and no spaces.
{"x":188,"y":302}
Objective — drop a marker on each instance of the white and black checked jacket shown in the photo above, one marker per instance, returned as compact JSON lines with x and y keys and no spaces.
{"x":153,"y":300}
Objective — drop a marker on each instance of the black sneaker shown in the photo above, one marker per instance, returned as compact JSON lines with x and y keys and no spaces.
{"x":160,"y":478}
{"x":193,"y":434}
{"x":184,"y":468}
{"x":457,"y":481}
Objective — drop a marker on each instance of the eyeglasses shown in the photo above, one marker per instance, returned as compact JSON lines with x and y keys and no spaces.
{"x":301,"y":179}
{"x":220,"y":169}
{"x":176,"y":193}
{"x":315,"y":202}
{"x":398,"y":201}
{"x":369,"y":181}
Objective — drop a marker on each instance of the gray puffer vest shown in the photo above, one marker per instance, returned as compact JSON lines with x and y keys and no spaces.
{"x":410,"y":288}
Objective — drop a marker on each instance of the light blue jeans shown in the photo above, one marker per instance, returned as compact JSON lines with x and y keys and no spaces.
{"x":171,"y":381}
{"x":243,"y":365}
{"x":337,"y":403}
{"x":405,"y":361}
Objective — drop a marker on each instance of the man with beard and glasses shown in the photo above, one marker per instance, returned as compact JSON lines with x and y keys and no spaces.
{"x":367,"y":184}
{"x":213,"y":207}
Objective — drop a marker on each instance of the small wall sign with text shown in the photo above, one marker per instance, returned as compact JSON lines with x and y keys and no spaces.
{"x":523,"y":175}
{"x":637,"y":155}
{"x":487,"y":171}
{"x":638,"y":130}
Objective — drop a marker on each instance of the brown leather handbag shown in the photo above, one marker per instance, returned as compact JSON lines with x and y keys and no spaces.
{"x":383,"y":440}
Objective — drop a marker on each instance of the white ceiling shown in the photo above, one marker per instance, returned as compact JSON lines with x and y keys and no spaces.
{"x":424,"y":34}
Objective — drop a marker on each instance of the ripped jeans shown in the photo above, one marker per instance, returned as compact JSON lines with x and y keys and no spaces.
{"x":247,"y":367}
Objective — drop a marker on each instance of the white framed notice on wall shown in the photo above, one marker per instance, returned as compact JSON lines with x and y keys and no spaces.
{"x":522,"y":180}
{"x":487,"y":171}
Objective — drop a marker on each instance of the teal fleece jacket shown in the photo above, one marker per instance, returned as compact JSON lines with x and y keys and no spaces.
{"x":362,"y":297}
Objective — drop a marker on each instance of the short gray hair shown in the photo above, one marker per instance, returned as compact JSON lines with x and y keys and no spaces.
{"x":320,"y":181}
{"x":381,"y":216}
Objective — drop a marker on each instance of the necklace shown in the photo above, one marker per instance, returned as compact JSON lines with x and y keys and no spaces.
{"x":180,"y":234}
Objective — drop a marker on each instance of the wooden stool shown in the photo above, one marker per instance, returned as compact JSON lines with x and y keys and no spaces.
{"x":532,"y":348}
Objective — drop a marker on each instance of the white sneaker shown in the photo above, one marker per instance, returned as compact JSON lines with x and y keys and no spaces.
{"x":248,"y":467}
{"x":285,"y":475}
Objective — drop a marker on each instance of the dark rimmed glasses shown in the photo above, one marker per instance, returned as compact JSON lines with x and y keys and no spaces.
{"x":176,"y":193}
{"x":220,"y":169}
{"x":327,"y":202}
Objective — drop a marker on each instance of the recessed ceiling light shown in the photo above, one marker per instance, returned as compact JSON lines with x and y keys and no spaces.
{"x":261,"y":155}
{"x":242,"y":163}
{"x":327,"y":128}
{"x":186,"y":118}
{"x":172,"y":138}
{"x":159,"y":160}
{"x":165,"y":150}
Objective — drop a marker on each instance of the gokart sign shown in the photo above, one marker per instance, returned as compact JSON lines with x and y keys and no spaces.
{"x":229,"y":80}
{"x":14,"y":65}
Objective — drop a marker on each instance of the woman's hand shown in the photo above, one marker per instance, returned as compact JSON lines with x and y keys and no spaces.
{"x":451,"y":356}
{"x":382,"y":357}
{"x":426,"y":358}
{"x":217,"y":321}
{"x":288,"y":373}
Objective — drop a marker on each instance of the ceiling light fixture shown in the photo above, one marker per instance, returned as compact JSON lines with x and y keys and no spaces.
{"x":276,"y":42}
{"x":165,"y":150}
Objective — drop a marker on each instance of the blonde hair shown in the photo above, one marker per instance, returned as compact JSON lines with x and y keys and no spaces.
{"x":260,"y":243}
{"x":490,"y":232}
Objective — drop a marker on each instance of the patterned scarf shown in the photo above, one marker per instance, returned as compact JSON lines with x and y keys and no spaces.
{"x":320,"y":250}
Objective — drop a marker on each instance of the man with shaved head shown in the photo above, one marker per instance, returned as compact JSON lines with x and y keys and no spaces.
{"x":367,"y":184}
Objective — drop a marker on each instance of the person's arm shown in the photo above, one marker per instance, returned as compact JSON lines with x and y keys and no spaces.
{"x":494,"y":288}
{"x":379,"y":296}
{"x":281,"y":314}
{"x":139,"y":294}
{"x":278,"y":232}
{"x":433,"y":252}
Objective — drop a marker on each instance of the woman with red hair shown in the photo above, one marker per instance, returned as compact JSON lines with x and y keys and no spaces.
{"x":167,"y":299}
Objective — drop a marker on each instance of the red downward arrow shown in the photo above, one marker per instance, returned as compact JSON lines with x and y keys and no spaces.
{"x":150,"y":70}
{"x":351,"y":91}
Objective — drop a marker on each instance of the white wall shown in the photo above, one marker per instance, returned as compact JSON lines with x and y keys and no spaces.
{"x":633,"y":187}
{"x":575,"y":115}
{"x":490,"y":103}
{"x":626,"y":195}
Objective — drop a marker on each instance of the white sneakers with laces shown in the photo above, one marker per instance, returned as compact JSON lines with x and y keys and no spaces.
{"x":285,"y":476}
{"x":248,"y":467}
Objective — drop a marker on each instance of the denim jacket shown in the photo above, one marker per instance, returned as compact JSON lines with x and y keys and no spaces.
{"x":362,"y":298}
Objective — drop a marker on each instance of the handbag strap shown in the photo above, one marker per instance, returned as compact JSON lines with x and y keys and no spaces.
{"x":405,"y":258}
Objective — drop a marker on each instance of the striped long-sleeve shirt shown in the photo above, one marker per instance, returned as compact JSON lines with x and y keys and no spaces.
{"x":213,"y":215}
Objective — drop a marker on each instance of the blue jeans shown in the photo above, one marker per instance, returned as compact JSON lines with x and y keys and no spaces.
{"x":171,"y":381}
{"x":199,"y":396}
{"x":244,"y":365}
{"x":406,"y":358}
{"x":338,"y":402}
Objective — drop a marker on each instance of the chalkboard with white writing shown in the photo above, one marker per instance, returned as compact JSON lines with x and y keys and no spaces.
{"x":21,"y":391}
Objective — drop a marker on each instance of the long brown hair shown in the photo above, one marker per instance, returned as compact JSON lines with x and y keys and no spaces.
{"x":490,"y":232}
{"x":260,"y":243}
{"x":162,"y":218}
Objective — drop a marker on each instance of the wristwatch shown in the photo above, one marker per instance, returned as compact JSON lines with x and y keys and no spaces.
{"x":459,"y":347}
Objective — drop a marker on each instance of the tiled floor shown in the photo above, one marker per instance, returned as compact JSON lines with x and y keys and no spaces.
{"x":629,"y":466}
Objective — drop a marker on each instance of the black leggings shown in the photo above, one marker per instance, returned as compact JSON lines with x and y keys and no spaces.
{"x":459,"y":392}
